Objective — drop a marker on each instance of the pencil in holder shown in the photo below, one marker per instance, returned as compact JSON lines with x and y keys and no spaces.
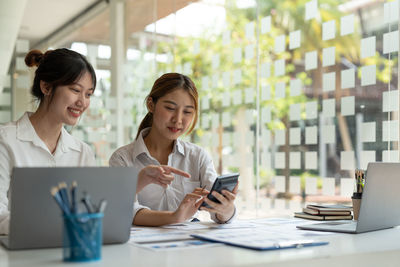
{"x":82,"y":237}
{"x":356,"y":200}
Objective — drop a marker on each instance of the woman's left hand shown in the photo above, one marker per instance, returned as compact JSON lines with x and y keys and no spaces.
{"x":224,"y":210}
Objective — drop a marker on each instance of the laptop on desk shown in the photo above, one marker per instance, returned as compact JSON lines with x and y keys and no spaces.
{"x":379,"y":205}
{"x":36,"y":220}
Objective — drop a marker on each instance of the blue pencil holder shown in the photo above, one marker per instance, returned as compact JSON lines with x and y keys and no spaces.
{"x":82,"y":237}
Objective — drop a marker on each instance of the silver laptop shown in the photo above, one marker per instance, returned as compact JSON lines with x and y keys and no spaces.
{"x":36,"y":220}
{"x":379,"y":205}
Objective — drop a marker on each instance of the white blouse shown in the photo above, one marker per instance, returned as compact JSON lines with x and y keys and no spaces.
{"x":20,"y":146}
{"x":185,"y":156}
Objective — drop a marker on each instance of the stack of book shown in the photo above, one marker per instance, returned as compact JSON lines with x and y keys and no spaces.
{"x":325,"y":212}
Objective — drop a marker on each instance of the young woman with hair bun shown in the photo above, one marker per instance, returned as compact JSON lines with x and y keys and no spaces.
{"x":63,"y":85}
{"x":172,"y":111}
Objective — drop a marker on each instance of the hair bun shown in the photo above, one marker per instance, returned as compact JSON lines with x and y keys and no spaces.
{"x":33,"y":58}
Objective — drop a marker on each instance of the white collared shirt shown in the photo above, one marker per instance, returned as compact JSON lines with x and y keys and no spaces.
{"x":185,"y":156}
{"x":20,"y":146}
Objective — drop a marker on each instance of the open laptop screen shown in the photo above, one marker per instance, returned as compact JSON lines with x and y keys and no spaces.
{"x":36,"y":220}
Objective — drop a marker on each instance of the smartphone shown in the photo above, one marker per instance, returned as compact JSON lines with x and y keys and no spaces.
{"x":223,"y":182}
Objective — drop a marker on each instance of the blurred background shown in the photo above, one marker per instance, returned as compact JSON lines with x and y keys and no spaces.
{"x":294,"y":94}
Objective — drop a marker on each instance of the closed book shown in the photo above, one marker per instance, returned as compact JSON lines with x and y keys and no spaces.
{"x":325,"y":212}
{"x":330,"y":207}
{"x":322,"y":217}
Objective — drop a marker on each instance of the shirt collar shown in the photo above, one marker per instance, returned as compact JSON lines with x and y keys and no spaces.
{"x":67,"y":142}
{"x":179,"y":147}
{"x":141,"y":148}
{"x":26,"y":132}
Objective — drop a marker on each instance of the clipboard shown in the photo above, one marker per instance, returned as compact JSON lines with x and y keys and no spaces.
{"x":273,"y":245}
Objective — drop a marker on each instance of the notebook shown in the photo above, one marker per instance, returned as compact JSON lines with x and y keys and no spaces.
{"x":322,"y":217}
{"x":379,"y":204}
{"x":35,"y":218}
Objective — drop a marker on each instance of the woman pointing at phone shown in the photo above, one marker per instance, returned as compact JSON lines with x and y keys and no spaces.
{"x":173,"y":111}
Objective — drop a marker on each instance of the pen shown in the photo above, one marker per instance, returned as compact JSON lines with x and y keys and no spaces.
{"x":73,"y":197}
{"x":64,"y":194}
{"x":102,"y":206}
{"x":87,"y":203}
{"x":359,"y":176}
{"x":56,"y":195}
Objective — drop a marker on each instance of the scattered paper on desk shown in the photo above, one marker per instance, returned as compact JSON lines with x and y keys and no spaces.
{"x":178,"y":245}
{"x":157,"y":235}
{"x":235,"y":225}
{"x":185,"y":226}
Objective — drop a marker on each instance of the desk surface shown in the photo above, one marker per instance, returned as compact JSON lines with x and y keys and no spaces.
{"x":379,"y":248}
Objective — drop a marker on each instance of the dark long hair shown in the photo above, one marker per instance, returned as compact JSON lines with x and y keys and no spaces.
{"x":57,"y":67}
{"x":165,"y":85}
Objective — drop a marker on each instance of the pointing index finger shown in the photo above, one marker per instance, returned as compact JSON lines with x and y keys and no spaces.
{"x":176,"y":171}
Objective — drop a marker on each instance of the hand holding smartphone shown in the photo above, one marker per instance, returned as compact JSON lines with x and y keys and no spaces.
{"x":223,"y":182}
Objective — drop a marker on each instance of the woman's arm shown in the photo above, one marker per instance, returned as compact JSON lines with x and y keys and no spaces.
{"x":4,"y":186}
{"x":151,"y":174}
{"x":188,"y":207}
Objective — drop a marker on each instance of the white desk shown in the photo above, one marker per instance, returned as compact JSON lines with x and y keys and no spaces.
{"x":380,"y":248}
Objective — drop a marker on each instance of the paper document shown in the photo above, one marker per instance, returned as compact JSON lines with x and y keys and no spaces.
{"x":157,"y":236}
{"x":185,"y":226}
{"x":177,"y":245}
